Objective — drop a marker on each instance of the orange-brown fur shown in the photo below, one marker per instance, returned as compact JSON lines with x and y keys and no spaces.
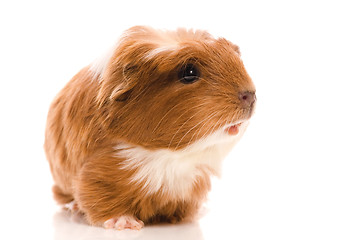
{"x":140,"y":101}
{"x":107,"y":184}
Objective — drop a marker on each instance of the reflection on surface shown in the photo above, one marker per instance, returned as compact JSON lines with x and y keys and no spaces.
{"x":70,"y":226}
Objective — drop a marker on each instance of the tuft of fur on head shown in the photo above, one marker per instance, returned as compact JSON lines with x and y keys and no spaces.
{"x":127,"y":136}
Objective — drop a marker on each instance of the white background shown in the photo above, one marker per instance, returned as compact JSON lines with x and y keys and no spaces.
{"x":296,"y":174}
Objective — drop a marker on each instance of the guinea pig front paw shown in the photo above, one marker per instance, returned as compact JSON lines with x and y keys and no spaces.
{"x":72,"y":207}
{"x":124,"y":222}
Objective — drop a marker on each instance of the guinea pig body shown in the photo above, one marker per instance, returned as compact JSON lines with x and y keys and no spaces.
{"x":136,"y":136}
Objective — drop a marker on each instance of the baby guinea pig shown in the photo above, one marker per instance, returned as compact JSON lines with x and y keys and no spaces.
{"x":135,"y":137}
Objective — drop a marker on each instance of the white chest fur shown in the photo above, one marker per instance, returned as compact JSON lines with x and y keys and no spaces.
{"x":176,"y":171}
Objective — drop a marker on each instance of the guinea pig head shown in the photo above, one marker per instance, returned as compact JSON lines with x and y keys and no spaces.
{"x":170,"y":89}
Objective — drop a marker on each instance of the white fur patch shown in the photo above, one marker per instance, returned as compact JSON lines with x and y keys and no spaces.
{"x":155,"y":52}
{"x":100,"y":64}
{"x":176,"y":171}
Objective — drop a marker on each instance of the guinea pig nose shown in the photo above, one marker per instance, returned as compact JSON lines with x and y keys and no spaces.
{"x":247,"y":98}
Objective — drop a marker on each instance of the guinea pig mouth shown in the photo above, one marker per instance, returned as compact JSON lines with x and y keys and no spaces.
{"x":233,"y":129}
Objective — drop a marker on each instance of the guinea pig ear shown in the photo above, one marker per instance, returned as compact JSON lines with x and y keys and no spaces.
{"x":117,"y":84}
{"x":232,"y":45}
{"x":236,"y":48}
{"x":122,"y":91}
{"x":122,"y":73}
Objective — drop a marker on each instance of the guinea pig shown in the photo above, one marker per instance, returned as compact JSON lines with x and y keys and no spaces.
{"x":135,"y":137}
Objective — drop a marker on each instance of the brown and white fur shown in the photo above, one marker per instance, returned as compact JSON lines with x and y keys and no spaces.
{"x":129,"y":142}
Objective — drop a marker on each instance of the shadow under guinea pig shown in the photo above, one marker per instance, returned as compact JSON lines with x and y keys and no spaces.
{"x":73,"y":227}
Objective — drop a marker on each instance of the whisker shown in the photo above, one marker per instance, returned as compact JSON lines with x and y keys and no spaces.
{"x":211,"y":132}
{"x":165,"y":116}
{"x":180,"y":129}
{"x":199,"y":130}
{"x":189,"y":131}
{"x":199,"y":105}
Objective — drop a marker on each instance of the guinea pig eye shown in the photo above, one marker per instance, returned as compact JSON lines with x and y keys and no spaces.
{"x":189,"y":74}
